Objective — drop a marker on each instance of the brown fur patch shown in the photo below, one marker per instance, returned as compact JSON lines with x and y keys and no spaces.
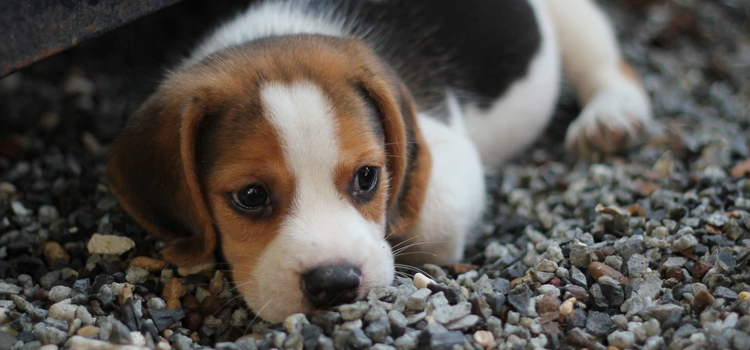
{"x":414,"y":190}
{"x":153,"y":173}
{"x":255,"y":159}
{"x":359,"y":148}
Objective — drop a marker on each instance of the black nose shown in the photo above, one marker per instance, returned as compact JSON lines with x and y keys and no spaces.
{"x":329,"y":286}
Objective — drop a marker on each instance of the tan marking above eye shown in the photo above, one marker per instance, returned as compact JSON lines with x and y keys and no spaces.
{"x":359,"y":146}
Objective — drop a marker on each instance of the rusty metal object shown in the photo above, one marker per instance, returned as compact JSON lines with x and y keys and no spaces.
{"x":31,"y":30}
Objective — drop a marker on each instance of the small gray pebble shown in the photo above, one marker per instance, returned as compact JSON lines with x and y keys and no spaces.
{"x":353,"y":311}
{"x":408,"y":341}
{"x":49,"y":335}
{"x":448,"y":314}
{"x":136,"y":275}
{"x":417,"y":299}
{"x":182,"y":342}
{"x":685,"y":242}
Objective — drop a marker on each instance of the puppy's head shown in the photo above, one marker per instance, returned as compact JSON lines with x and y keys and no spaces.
{"x":291,"y":153}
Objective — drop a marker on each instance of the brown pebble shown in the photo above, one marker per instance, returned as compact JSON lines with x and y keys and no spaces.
{"x":196,"y":269}
{"x":578,"y":292}
{"x":598,"y":270}
{"x":210,"y":305}
{"x":217,"y":283}
{"x":148,"y":264}
{"x":88,"y":331}
{"x":702,"y":300}
{"x":193,"y":321}
{"x":599,"y":255}
{"x":743,"y":296}
{"x":555,"y":281}
{"x":701,"y":267}
{"x":173,"y":291}
{"x":645,"y":188}
{"x":457,"y":269}
{"x":711,"y":230}
{"x":40,"y":294}
{"x":741,"y":169}
{"x":675,"y":272}
{"x":194,"y":336}
{"x":567,"y":307}
{"x":611,"y":210}
{"x":516,"y":281}
{"x":96,"y":308}
{"x":126,"y":293}
{"x":54,"y":252}
{"x":189,"y":302}
{"x":635,"y":210}
{"x":548,"y":303}
{"x":608,"y":251}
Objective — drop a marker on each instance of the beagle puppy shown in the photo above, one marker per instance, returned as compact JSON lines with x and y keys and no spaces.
{"x":312,"y":142}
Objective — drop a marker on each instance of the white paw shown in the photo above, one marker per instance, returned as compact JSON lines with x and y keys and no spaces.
{"x":612,"y":121}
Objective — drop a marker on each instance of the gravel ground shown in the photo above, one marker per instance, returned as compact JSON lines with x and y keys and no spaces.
{"x":645,"y":250}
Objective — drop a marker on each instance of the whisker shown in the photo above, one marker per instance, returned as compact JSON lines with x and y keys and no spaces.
{"x":409,"y":253}
{"x":395,"y":246}
{"x":397,"y":229}
{"x":256,"y":315}
{"x":413,"y":268}
{"x":396,"y":251}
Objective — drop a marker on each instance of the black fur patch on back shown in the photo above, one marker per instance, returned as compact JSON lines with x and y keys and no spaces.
{"x":477,"y":47}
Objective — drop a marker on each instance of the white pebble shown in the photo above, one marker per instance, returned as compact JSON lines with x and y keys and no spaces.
{"x":84,"y":315}
{"x":138,"y":338}
{"x":63,"y":310}
{"x":421,"y":281}
{"x":484,"y":338}
{"x":4,"y":317}
{"x":19,"y":209}
{"x":59,"y":293}
{"x":156,"y":303}
{"x":621,"y":339}
{"x":109,"y":244}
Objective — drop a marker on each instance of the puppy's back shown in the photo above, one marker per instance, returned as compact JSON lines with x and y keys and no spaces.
{"x":475,"y":47}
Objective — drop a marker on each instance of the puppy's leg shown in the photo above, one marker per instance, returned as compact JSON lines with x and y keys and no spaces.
{"x":517,"y":117}
{"x":616,"y":108}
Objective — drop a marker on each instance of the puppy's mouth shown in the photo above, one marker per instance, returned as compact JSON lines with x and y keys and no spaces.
{"x":329,"y":286}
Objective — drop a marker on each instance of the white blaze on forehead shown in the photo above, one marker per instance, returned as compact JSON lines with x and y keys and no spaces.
{"x":322,"y":226}
{"x":320,"y":215}
{"x":304,"y":120}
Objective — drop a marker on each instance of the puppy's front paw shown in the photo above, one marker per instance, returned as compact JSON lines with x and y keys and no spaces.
{"x":613,"y":120}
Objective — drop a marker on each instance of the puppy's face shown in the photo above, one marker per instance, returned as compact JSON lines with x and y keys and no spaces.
{"x":300,"y":190}
{"x":289,"y":153}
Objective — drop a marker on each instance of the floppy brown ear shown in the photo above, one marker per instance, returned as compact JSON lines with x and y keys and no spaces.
{"x":409,"y":161}
{"x":152,"y":171}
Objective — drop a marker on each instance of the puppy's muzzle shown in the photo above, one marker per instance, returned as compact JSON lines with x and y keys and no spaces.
{"x":333,"y":285}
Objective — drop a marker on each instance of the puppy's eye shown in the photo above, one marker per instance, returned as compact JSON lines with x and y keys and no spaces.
{"x":364,"y":183}
{"x":251,"y":198}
